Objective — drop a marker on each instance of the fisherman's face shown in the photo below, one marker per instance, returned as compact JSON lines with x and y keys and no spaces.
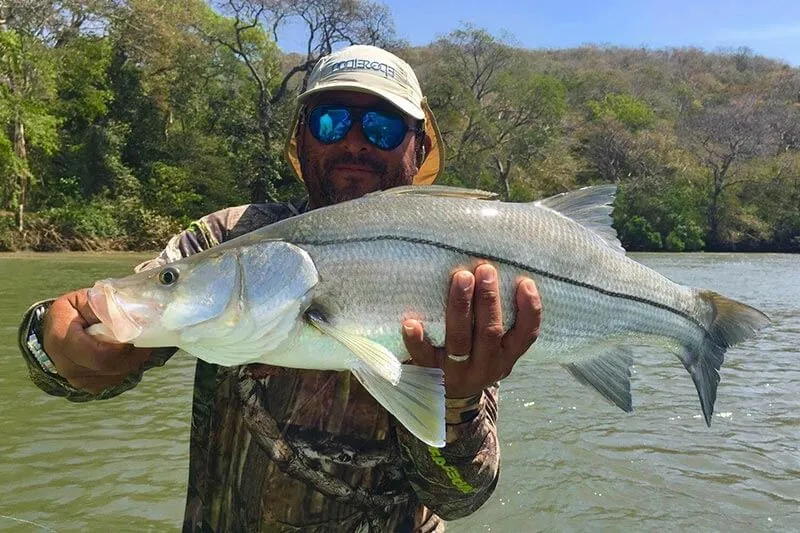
{"x":353,"y":167}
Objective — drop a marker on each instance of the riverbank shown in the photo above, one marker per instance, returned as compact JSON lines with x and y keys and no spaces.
{"x":43,"y":234}
{"x":42,"y":237}
{"x":139,"y":230}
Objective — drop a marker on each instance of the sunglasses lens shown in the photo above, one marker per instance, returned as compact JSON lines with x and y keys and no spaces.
{"x":330,"y":124}
{"x":384,"y":129}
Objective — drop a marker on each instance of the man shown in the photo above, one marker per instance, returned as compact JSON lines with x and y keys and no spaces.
{"x":277,"y":449}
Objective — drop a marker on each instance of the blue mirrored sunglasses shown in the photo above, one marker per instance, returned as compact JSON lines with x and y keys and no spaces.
{"x":329,"y":124}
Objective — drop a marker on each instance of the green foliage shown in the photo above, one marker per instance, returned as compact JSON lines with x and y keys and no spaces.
{"x":83,"y":86}
{"x":95,"y":220}
{"x":169,"y":191}
{"x":8,"y":233}
{"x":27,"y":123}
{"x":638,"y":234}
{"x":632,"y":113}
{"x":685,"y":238}
{"x":166,"y":113}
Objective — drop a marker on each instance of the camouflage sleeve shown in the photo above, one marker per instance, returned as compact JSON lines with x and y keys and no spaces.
{"x":456,"y":480}
{"x":43,"y":373}
{"x":200,"y":235}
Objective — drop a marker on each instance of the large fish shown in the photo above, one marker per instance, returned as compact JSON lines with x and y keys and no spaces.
{"x":329,"y":289}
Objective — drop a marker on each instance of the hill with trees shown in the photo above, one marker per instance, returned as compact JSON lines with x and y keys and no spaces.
{"x":123,"y":120}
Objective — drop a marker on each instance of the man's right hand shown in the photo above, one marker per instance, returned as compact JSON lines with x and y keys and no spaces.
{"x":87,"y":363}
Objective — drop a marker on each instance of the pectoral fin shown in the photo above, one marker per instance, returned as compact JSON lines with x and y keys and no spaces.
{"x":372,"y":355}
{"x":412,"y":394}
{"x":608,"y":373}
{"x":417,"y":401}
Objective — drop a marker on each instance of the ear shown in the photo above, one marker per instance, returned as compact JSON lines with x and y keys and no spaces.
{"x":423,"y":148}
{"x":299,"y":136}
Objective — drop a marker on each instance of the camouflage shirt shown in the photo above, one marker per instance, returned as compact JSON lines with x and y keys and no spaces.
{"x":279,"y":449}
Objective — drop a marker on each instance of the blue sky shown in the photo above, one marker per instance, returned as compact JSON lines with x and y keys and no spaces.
{"x":769,"y":27}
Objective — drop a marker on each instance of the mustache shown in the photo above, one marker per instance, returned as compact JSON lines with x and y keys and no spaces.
{"x":361,"y":160}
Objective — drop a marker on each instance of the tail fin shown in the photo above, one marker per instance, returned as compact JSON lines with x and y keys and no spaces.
{"x":730,"y":322}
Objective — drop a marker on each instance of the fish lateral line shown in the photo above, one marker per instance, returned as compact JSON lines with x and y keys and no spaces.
{"x":516,"y":264}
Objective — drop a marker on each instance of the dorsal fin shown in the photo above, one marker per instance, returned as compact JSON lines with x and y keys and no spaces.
{"x":590,"y":207}
{"x":440,"y":190}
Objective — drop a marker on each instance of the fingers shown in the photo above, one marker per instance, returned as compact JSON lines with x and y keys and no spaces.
{"x":458,"y":325}
{"x":80,"y":358}
{"x":527,"y":324}
{"x":488,"y":329}
{"x":422,"y":352}
{"x":458,"y":318}
{"x":474,"y":325}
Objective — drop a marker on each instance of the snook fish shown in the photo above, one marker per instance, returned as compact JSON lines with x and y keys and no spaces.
{"x":328,"y":290}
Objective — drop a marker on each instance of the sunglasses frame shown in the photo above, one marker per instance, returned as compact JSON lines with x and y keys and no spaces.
{"x":358,"y":118}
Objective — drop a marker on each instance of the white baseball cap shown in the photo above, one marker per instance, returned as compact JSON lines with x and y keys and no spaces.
{"x":373,"y":70}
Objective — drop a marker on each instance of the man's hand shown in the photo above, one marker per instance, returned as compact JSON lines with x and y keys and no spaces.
{"x":474,"y":327}
{"x":81,"y":359}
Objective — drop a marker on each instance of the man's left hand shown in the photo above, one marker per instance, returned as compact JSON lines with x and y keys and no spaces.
{"x":474,"y":327}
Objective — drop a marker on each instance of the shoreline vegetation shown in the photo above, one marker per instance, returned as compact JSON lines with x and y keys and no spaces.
{"x":122,"y":121}
{"x":42,"y":236}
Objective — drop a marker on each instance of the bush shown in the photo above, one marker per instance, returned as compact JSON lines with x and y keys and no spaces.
{"x":144,"y":228}
{"x":685,"y":238}
{"x":91,"y":220}
{"x":673,"y":243}
{"x":638,"y":234}
{"x":8,"y":233}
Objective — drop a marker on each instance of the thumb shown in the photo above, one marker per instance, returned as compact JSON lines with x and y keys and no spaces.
{"x":421,"y":352}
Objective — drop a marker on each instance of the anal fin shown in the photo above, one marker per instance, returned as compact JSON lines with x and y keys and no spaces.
{"x":608,"y":373}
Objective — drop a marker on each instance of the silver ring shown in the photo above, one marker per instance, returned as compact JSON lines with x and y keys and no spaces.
{"x":458,"y":358}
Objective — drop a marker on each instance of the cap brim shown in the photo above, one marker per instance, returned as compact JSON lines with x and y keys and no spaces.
{"x":399,"y":102}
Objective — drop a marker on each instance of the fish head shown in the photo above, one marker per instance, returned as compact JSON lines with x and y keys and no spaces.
{"x":154,"y":307}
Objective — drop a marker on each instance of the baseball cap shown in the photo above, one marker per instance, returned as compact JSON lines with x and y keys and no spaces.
{"x":373,"y":70}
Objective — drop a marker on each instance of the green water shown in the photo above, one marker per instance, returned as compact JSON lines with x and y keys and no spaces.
{"x":570,"y":462}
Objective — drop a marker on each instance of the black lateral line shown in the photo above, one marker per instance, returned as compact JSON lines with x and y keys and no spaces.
{"x":509,"y":262}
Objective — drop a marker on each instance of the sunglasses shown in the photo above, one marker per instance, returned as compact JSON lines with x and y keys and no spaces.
{"x":329,"y":124}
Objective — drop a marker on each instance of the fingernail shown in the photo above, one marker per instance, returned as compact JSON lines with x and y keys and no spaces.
{"x":409,"y":326}
{"x":528,"y":286}
{"x":488,"y":275}
{"x":463,"y":280}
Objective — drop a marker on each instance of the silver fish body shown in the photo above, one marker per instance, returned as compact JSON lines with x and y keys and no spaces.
{"x":356,"y":270}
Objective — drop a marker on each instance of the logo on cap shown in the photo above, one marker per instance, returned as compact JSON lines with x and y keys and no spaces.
{"x":355,"y":64}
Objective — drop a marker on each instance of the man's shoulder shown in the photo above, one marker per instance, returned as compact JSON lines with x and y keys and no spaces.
{"x":220,"y":226}
{"x":235,"y":221}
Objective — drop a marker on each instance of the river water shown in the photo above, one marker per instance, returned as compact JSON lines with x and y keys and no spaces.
{"x":570,"y":462}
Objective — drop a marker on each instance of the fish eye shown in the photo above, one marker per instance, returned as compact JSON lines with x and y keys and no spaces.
{"x":168,"y":276}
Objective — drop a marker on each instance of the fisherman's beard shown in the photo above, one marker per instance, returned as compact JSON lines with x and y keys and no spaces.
{"x":331,"y":194}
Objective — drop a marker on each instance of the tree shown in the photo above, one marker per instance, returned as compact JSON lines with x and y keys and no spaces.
{"x":27,"y":92}
{"x":524,"y":116}
{"x":722,"y":138}
{"x":495,"y":113}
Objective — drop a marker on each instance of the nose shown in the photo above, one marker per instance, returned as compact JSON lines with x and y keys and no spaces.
{"x":355,"y":141}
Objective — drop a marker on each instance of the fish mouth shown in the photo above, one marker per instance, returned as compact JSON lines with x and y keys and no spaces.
{"x":105,"y":305}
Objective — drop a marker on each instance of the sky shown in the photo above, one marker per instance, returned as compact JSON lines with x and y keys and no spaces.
{"x":768,"y":27}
